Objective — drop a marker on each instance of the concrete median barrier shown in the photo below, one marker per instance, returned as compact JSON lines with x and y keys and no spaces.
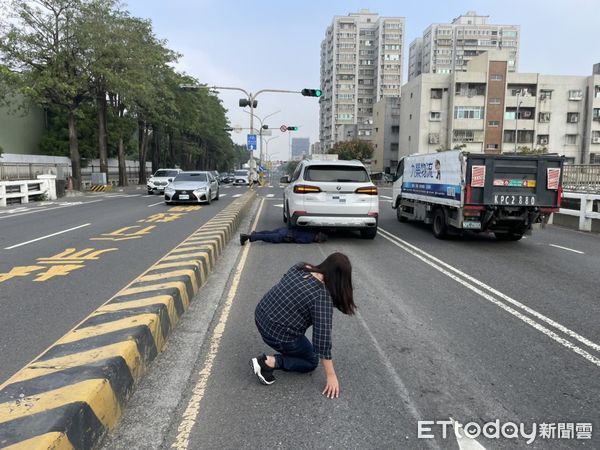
{"x":75,"y":392}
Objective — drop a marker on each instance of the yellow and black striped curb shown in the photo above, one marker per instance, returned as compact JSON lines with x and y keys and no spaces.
{"x":73,"y":393}
{"x":101,"y":187}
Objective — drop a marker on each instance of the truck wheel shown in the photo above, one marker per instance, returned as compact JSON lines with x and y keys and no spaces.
{"x":511,"y":236}
{"x":399,"y":215}
{"x":440,"y":227}
{"x":368,"y":233}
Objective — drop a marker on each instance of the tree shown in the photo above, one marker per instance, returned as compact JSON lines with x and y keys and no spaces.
{"x":39,"y":43}
{"x":355,"y":149}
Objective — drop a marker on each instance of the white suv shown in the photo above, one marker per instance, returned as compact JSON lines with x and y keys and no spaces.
{"x":331,"y":194}
{"x":159,"y":181}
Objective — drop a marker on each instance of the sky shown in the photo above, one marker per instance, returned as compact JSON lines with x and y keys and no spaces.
{"x":268,"y":44}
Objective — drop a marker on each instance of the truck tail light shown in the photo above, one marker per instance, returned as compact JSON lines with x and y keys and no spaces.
{"x":306,"y":189}
{"x":369,"y":190}
{"x":559,"y":196}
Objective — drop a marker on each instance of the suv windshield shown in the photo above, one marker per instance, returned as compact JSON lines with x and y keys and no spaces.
{"x":241,"y":173}
{"x":165,"y":173}
{"x":336,"y":174}
{"x":191,"y":176}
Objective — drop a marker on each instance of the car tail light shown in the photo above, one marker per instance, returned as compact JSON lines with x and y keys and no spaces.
{"x":559,"y":196}
{"x":306,"y":189}
{"x":373,"y":214}
{"x":369,"y":190}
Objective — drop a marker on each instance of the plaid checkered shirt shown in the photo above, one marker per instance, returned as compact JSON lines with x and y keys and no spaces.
{"x":290,"y":307}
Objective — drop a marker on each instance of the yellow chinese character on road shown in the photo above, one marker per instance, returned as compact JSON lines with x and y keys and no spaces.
{"x":124,"y":234}
{"x":20,"y":271}
{"x":71,"y":255}
{"x":58,"y":271}
{"x":185,"y":208}
{"x":162,"y":218}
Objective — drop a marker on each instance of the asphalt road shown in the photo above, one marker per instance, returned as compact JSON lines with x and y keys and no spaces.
{"x":115,"y":237}
{"x":467,"y":328}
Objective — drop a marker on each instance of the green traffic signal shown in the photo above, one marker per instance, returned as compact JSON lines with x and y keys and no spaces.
{"x":289,"y":128}
{"x":311,"y":92}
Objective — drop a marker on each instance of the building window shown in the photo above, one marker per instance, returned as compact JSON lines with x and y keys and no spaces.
{"x":494,"y":123}
{"x":411,"y":95}
{"x":596,"y":114}
{"x":395,"y":129}
{"x":572,"y":117}
{"x":494,"y":101}
{"x":468,"y":112}
{"x":575,"y":94}
{"x":436,"y":93}
{"x":435,"y":116}
{"x":496,"y":77}
{"x":571,"y":139}
{"x":467,"y":136}
{"x":509,"y":136}
{"x":492,"y":147}
{"x":410,"y":117}
{"x":545,"y":94}
{"x":596,"y":138}
{"x":597,"y":91}
{"x":543,"y":139}
{"x":544,"y":117}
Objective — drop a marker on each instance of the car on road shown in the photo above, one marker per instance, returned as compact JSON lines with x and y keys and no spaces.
{"x":331,"y":194}
{"x":241,"y":177}
{"x":160,"y":179}
{"x":192,"y":187}
{"x":228,"y":178}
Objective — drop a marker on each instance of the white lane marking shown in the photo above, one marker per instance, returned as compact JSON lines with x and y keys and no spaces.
{"x":190,"y":415}
{"x":154,"y":204}
{"x":270,"y":186}
{"x":223,"y":195}
{"x":385,"y":196}
{"x":408,"y":248}
{"x":278,"y":206}
{"x":236,"y":195}
{"x":148,"y":195}
{"x":270,"y":195}
{"x":47,"y":236}
{"x":281,"y":187}
{"x":464,"y":442}
{"x":66,"y":205}
{"x":567,"y":248}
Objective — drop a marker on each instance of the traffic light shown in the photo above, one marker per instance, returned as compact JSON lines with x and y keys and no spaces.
{"x":290,"y":128}
{"x":245,"y":102}
{"x":265,"y":127}
{"x":312,"y":92}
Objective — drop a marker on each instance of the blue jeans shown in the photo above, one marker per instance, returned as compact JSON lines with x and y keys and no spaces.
{"x":295,"y":356}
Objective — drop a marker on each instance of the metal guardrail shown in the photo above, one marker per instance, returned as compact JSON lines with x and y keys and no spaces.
{"x":583,"y":178}
{"x":589,"y":207}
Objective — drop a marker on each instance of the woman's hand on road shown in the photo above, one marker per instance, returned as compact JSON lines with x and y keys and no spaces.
{"x":332,"y":388}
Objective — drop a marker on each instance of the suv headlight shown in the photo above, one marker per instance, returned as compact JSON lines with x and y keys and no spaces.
{"x":150,"y":183}
{"x":200,"y":190}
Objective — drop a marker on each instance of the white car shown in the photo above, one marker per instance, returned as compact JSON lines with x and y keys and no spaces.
{"x":192,"y":187}
{"x":331,"y":194}
{"x":241,"y":177}
{"x":160,"y":180}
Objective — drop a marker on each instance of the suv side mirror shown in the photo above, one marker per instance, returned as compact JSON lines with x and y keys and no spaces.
{"x":285,"y":179}
{"x":170,"y":179}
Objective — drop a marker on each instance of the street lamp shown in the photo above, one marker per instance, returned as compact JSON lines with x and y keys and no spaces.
{"x":262,"y":127}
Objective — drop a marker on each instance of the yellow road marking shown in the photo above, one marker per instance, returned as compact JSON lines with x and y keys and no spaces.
{"x":19,"y":271}
{"x":190,"y":414}
{"x":122,"y":235}
{"x":98,"y":394}
{"x":53,"y":440}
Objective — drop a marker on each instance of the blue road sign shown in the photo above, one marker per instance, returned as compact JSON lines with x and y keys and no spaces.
{"x":251,"y":142}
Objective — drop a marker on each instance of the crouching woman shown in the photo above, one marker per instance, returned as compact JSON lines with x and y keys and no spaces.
{"x":304,"y":297}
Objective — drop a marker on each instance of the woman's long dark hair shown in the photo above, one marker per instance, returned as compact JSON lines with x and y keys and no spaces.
{"x":337,"y":276}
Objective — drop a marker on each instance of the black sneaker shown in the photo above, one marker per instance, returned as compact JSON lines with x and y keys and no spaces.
{"x":263,"y":372}
{"x":244,"y":238}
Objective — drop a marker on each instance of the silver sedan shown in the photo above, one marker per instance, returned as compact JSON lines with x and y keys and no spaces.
{"x":192,"y":187}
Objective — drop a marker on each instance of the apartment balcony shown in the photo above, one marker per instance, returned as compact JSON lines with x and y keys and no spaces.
{"x":525,"y":101}
{"x":524,"y":124}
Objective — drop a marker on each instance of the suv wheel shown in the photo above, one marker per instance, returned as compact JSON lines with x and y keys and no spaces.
{"x":208,"y":199}
{"x":368,"y":233}
{"x":217,"y":196}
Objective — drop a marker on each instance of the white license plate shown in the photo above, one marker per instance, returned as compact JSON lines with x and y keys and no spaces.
{"x":472,"y":225}
{"x":514,"y":200}
{"x":338,"y":198}
{"x":184,"y":197}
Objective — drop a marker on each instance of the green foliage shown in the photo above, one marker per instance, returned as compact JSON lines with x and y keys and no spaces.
{"x":355,"y":149}
{"x":526,"y":150}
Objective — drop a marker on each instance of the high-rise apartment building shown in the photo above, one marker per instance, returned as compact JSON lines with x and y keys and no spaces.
{"x":446,"y":48}
{"x":361,"y":62}
{"x":488,"y":109}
